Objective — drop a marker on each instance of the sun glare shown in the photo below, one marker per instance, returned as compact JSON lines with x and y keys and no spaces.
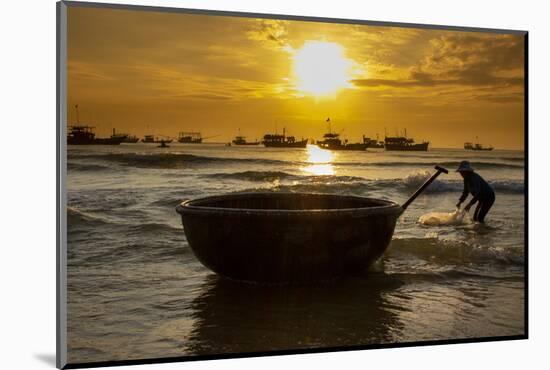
{"x":321,"y":69}
{"x":321,"y":161}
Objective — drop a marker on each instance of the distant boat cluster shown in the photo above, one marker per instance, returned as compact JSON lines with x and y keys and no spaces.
{"x":84,"y":135}
{"x":476,"y":146}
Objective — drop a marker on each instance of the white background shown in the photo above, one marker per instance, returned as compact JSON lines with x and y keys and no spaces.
{"x":27,"y":180}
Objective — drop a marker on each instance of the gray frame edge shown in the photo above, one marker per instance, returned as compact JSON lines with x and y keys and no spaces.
{"x":61,"y":187}
{"x":226,"y":13}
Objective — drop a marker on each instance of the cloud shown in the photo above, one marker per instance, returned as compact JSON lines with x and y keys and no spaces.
{"x":473,"y":60}
{"x":456,"y":60}
{"x":272,"y":33}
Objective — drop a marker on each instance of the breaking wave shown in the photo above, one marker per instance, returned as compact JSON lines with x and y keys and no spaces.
{"x":449,"y":165}
{"x":452,"y":252}
{"x":181,"y":160}
{"x":442,"y":219}
{"x":168,"y":160}
{"x":416,"y":179}
{"x":280,"y":175}
{"x":347,"y":184}
{"x":76,"y":217}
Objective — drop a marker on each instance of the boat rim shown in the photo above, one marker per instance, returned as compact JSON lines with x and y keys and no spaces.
{"x":388,"y":208}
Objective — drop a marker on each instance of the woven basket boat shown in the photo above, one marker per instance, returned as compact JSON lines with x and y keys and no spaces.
{"x":289,"y":237}
{"x":281,"y":237}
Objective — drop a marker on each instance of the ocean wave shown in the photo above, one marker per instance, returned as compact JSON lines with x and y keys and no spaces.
{"x":271,"y":176}
{"x":168,"y":160}
{"x":355,"y":185}
{"x":253,"y":176}
{"x":85,"y":167}
{"x":451,"y":165}
{"x":356,"y":188}
{"x":153,"y":227}
{"x":453,"y":274}
{"x":168,"y":202}
{"x":453,"y":252}
{"x":77,"y":217}
{"x":331,"y":182}
{"x":182,"y":160}
{"x":137,"y":251}
{"x":416,"y":179}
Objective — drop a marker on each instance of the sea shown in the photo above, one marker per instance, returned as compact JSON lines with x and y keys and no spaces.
{"x":136,"y":291}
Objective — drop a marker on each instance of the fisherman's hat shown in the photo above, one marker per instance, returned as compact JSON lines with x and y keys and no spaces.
{"x":464,"y":166}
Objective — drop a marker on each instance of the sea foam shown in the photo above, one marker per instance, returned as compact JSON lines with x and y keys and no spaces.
{"x":458,"y":217}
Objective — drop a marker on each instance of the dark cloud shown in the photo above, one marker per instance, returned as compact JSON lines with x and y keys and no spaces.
{"x":271,"y":31}
{"x":464,"y":60}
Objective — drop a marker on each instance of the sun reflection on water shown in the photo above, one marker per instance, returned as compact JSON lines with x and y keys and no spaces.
{"x":320,"y":161}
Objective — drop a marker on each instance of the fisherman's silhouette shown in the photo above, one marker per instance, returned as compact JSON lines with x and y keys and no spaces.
{"x":481,"y":192}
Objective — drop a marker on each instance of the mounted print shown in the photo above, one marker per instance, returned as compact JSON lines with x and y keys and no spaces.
{"x":234,"y":184}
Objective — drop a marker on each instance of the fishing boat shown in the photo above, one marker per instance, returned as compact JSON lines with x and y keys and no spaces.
{"x":190,"y":137}
{"x":80,"y":134}
{"x":126,"y":138}
{"x":404,"y":143}
{"x":290,"y":237}
{"x":476,"y":146}
{"x":84,"y":135}
{"x":152,"y":139}
{"x":241,"y":140}
{"x":283,"y":141}
{"x":373,"y":143}
{"x":131,"y":139}
{"x":332,"y":141}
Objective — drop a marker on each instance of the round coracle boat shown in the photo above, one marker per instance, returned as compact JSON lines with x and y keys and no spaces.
{"x":289,"y":237}
{"x":282,"y":237}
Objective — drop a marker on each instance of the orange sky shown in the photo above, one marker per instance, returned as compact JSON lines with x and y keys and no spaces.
{"x":161,"y":73}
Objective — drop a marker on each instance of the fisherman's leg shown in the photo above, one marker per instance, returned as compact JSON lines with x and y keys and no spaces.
{"x":476,"y":212}
{"x":486,"y":206}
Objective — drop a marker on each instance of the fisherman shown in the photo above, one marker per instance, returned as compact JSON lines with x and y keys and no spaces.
{"x":479,"y":188}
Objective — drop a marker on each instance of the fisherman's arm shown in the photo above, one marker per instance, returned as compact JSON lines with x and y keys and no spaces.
{"x":474,"y":200}
{"x":463,"y":196}
{"x":475,"y":188}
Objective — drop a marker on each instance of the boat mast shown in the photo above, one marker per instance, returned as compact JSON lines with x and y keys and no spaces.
{"x":77,"y":120}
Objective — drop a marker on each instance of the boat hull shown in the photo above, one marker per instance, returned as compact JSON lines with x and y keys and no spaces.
{"x":408,"y":148}
{"x":296,"y":144}
{"x":130,"y":141}
{"x":288,"y":237}
{"x":95,"y":141}
{"x":356,"y":147}
{"x":190,"y":141}
{"x":245,"y":144}
{"x":167,"y":141}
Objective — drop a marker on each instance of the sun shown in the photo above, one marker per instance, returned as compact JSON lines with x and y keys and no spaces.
{"x":321,"y":68}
